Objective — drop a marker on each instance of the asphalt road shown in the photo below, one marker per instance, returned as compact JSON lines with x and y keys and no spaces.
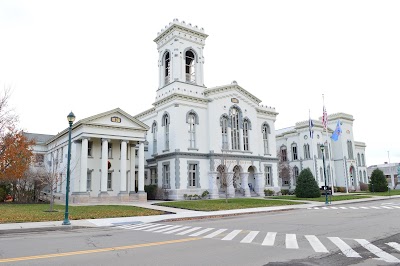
{"x":352,"y":234}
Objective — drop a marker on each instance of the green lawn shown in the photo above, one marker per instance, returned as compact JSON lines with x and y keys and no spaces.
{"x":220,"y":204}
{"x":18,"y":213}
{"x":392,"y":193}
{"x":322,"y":198}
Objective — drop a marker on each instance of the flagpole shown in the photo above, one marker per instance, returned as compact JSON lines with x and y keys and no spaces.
{"x":332,"y":181}
{"x":312,"y":145}
{"x":344,"y":167}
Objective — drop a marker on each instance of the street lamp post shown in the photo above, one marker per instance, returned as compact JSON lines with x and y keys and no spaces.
{"x":323,"y":163}
{"x":71,"y":119}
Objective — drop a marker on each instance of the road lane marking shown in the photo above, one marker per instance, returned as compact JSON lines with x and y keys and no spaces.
{"x":215,"y":233}
{"x":250,"y":237}
{"x":366,"y":208}
{"x":202,"y":232}
{"x":177,"y":230}
{"x":269,"y":239}
{"x":232,"y":235}
{"x":344,"y":208}
{"x":386,"y":207}
{"x":397,"y":207}
{"x":188,"y":231}
{"x":335,"y":208}
{"x":374,"y":207}
{"x":325,"y":208}
{"x":377,"y":251}
{"x":291,"y":241}
{"x":316,"y":244}
{"x":167,"y":229}
{"x":354,"y":208}
{"x":146,"y":227}
{"x":157,"y":228}
{"x":346,"y":249}
{"x":90,"y":251}
{"x":130,"y":226}
{"x":394,"y":245}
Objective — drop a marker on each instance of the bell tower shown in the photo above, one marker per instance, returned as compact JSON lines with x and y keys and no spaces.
{"x":180,"y":47}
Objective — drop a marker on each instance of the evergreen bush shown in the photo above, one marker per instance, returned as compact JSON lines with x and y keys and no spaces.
{"x":378,"y":181}
{"x":306,"y":186}
{"x":151,"y":191}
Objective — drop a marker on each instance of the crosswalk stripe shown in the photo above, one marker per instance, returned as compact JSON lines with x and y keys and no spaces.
{"x":397,"y":207}
{"x":335,"y":208}
{"x":232,"y":235}
{"x":366,"y":208}
{"x":157,"y":228}
{"x":374,"y":207}
{"x":177,"y":230}
{"x":250,"y":237}
{"x":377,"y":251}
{"x":215,"y":233}
{"x":386,"y":207}
{"x":167,"y":229}
{"x":394,"y":245}
{"x":325,"y":208}
{"x":269,"y":239}
{"x":202,"y":232}
{"x":291,"y":241}
{"x":354,"y":208}
{"x":316,"y":244}
{"x":131,"y":226}
{"x":346,"y":249}
{"x":188,"y":231}
{"x":344,"y":208}
{"x":316,"y":208}
{"x":146,"y":227}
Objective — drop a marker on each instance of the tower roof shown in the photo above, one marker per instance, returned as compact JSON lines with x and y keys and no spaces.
{"x":175,"y":24}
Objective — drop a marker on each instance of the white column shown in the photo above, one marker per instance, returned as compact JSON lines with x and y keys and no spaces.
{"x":245,"y":184}
{"x":84,"y":156}
{"x":213,"y":187}
{"x":104,"y":165}
{"x":123,"y":166}
{"x":141,"y":167}
{"x":133,"y":169}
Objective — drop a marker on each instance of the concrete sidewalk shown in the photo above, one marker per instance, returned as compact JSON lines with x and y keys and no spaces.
{"x":172,"y":214}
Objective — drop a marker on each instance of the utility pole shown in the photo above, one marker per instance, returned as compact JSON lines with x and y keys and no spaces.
{"x":391,"y":172}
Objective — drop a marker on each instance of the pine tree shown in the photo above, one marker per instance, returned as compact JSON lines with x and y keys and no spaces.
{"x":306,"y":186}
{"x":378,"y":181}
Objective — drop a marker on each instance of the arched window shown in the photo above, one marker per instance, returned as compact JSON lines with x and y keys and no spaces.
{"x":358,"y":159}
{"x":235,"y":129}
{"x":283,"y":152}
{"x":191,"y":120}
{"x":350,"y":149}
{"x":328,"y":173}
{"x":190,"y":69}
{"x":167,"y":68}
{"x":265,"y":131}
{"x":165,"y":123}
{"x":322,"y":174}
{"x":365,"y":177}
{"x":246,"y":126}
{"x":295,"y":175}
{"x":307,"y":151}
{"x":154,"y":131}
{"x":294,"y":152}
{"x":362,"y":159}
{"x":224,"y":131}
{"x":360,"y":176}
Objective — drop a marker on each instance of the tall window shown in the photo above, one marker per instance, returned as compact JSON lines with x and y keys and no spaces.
{"x":153,"y":176}
{"x":89,"y":181}
{"x":322,"y":174}
{"x":235,"y":129}
{"x":167,"y":68}
{"x":360,"y":176}
{"x":190,"y":69}
{"x":109,"y":150}
{"x":62,"y":154}
{"x":90,"y":149}
{"x":224,"y":131}
{"x":166,"y":183}
{"x":365,"y":177}
{"x":283,"y":154}
{"x":362,"y":159}
{"x":191,"y":120}
{"x":154,"y":131}
{"x":295,"y":175}
{"x":294,"y":152}
{"x":328,"y":173}
{"x":350,"y":149}
{"x":246,"y":135}
{"x":358,"y":159}
{"x":61,"y":182}
{"x":268,"y":176}
{"x":327,"y":148}
{"x":307,"y":151}
{"x":319,"y":151}
{"x":265,"y":132}
{"x":193,"y":175}
{"x":109,"y":181}
{"x":166,"y":131}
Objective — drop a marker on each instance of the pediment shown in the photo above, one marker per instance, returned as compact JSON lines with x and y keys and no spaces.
{"x":231,"y":91}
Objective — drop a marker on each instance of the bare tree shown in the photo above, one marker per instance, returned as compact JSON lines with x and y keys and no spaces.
{"x":8,"y":118}
{"x":284,"y":169}
{"x":226,"y":178}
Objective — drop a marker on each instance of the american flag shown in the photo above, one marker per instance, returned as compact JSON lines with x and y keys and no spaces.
{"x":325,"y":118}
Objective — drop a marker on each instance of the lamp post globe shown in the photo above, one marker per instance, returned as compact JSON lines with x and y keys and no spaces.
{"x":323,"y":163}
{"x":71,"y":119}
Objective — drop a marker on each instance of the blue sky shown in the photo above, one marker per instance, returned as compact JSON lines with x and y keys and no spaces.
{"x":93,"y":56}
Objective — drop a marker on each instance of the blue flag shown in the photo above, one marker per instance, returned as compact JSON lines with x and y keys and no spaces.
{"x":337,"y":132}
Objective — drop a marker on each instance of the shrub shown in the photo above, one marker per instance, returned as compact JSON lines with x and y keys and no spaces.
{"x":3,"y":194}
{"x":205,"y":194}
{"x":306,"y":186}
{"x":185,"y":196}
{"x":363,"y":186}
{"x":378,"y":181}
{"x":195,"y":196}
{"x":284,"y":191}
{"x":190,"y":197}
{"x":268,"y":192}
{"x":151,"y":191}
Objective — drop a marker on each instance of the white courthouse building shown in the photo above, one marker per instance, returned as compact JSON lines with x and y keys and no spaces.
{"x":188,"y":134}
{"x":345,"y":162}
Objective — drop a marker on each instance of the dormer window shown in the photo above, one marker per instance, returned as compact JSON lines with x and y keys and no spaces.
{"x":167,"y":68}
{"x":190,"y":69}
